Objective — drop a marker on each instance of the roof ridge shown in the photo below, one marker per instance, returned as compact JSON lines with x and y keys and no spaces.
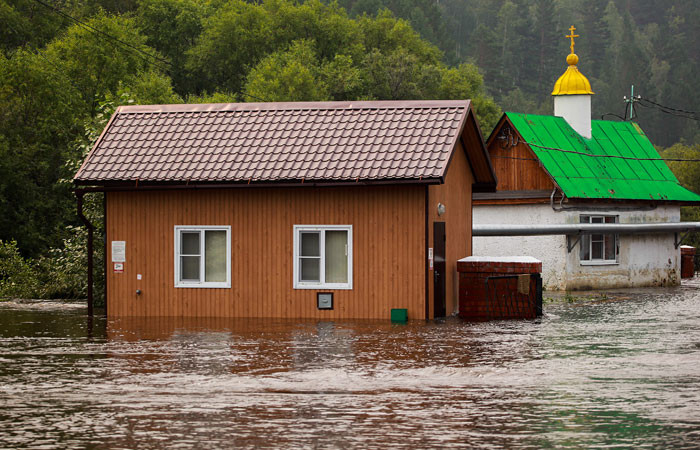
{"x":294,"y":106}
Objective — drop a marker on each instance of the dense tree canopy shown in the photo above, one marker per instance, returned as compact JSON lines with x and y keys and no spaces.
{"x":64,"y":63}
{"x":520,"y":47}
{"x":60,"y":61}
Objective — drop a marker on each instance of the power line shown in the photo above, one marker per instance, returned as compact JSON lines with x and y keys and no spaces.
{"x":614,"y":115}
{"x":692,"y":115}
{"x":40,"y":54}
{"x":668,"y":107}
{"x":515,"y":140}
{"x":513,"y":157}
{"x":252,"y":96}
{"x":142,"y":54}
{"x":610,"y":156}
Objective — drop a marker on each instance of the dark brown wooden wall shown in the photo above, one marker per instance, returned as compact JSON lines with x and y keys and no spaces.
{"x":517,"y":169}
{"x":456,"y":195}
{"x":388,"y":250}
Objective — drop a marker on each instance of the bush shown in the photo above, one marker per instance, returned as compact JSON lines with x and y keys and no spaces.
{"x":17,"y":276}
{"x":61,"y":274}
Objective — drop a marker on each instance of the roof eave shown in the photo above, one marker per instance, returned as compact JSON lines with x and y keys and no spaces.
{"x":133,"y":185}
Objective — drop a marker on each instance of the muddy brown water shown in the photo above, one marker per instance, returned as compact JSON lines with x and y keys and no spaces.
{"x":619,"y":372}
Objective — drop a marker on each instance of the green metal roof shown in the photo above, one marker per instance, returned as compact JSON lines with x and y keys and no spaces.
{"x":583,"y":176}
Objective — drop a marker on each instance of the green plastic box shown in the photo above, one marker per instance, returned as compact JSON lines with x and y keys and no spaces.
{"x":399,"y":315}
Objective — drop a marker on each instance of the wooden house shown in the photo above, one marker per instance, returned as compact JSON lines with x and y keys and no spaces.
{"x":591,"y":199}
{"x":290,"y":210}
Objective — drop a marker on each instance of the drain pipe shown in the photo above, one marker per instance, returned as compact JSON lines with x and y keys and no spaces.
{"x":563,"y":207}
{"x":79,"y":194}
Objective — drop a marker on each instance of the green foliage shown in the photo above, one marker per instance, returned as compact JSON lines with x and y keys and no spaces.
{"x":38,"y":108}
{"x":520,"y":48}
{"x":289,"y":76}
{"x":688,"y":174}
{"x":98,"y":65}
{"x":28,"y":23}
{"x":17,"y":278}
{"x":151,"y":88}
{"x":465,"y":81}
{"x":60,"y":82}
{"x":172,"y":27}
{"x":313,"y":51}
{"x":216,"y":97}
{"x":234,"y":39}
{"x":424,"y":16}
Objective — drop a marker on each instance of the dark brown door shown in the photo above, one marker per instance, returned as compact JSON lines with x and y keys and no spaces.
{"x":439,"y":268}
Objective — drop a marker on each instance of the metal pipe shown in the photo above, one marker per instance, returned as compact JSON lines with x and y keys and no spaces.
{"x":587,"y":207}
{"x":90,"y":228}
{"x":582,"y":228}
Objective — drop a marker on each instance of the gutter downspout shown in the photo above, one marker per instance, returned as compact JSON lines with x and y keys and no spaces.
{"x":427,"y":245}
{"x":79,"y":194}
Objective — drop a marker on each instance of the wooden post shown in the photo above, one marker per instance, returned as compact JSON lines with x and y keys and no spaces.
{"x":90,"y":228}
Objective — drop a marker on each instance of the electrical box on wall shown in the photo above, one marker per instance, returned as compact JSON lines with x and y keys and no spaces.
{"x":324,"y":300}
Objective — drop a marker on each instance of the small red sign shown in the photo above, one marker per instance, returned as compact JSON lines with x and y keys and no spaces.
{"x":118,"y":267}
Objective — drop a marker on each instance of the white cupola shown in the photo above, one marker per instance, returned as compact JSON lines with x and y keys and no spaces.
{"x":572,"y":95}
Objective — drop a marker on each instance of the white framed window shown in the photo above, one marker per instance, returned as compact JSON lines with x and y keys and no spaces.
{"x":599,"y":248}
{"x":202,"y":256}
{"x":322,"y":256}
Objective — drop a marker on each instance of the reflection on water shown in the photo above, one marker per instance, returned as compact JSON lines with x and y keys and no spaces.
{"x":610,"y":374}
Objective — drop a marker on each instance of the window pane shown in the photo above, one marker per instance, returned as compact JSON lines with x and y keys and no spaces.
{"x":610,"y":247}
{"x":585,"y":219}
{"x":310,"y":244}
{"x":189,"y":268}
{"x":189,"y":244}
{"x":597,"y":246}
{"x":585,"y":247}
{"x":611,"y":219}
{"x":336,"y":256}
{"x":310,"y":269}
{"x":215,"y":255}
{"x":596,"y":220}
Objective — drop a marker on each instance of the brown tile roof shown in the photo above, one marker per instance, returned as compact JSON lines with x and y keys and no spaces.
{"x":277,"y":142}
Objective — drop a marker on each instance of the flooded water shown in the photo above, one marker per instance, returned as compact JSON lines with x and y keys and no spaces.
{"x":618,"y":372}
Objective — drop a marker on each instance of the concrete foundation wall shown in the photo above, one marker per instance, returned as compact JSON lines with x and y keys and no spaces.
{"x":644,"y":260}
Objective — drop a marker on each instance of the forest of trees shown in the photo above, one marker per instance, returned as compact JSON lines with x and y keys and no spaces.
{"x":66,"y":64}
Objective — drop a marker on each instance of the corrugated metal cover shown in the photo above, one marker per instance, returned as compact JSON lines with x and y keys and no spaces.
{"x":276,"y":142}
{"x":582,"y":176}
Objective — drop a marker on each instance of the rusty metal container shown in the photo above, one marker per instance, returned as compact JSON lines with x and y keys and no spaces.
{"x":495,"y":288}
{"x":687,"y":261}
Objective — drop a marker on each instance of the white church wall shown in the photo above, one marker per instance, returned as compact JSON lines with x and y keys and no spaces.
{"x":644,"y":260}
{"x":548,"y":249}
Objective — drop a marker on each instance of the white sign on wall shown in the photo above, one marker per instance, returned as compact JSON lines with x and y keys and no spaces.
{"x":119,"y":251}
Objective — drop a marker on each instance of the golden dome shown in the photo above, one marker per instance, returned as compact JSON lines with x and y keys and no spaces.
{"x":572,"y":82}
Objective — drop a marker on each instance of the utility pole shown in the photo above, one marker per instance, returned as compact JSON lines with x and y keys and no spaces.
{"x":631,"y":101}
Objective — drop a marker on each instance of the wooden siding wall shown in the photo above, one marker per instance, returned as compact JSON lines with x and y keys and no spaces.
{"x":388,"y":251}
{"x":518,"y":174}
{"x":456,"y":195}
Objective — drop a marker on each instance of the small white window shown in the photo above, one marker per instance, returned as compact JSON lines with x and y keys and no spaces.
{"x":203,"y":256}
{"x":599,"y":248}
{"x":323,"y":256}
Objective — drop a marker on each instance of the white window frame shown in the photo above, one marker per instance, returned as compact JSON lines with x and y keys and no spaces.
{"x":202,"y":284}
{"x":298,"y":229}
{"x":599,"y":262}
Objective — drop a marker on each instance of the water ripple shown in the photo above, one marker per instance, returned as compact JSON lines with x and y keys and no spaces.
{"x":619,"y":373}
